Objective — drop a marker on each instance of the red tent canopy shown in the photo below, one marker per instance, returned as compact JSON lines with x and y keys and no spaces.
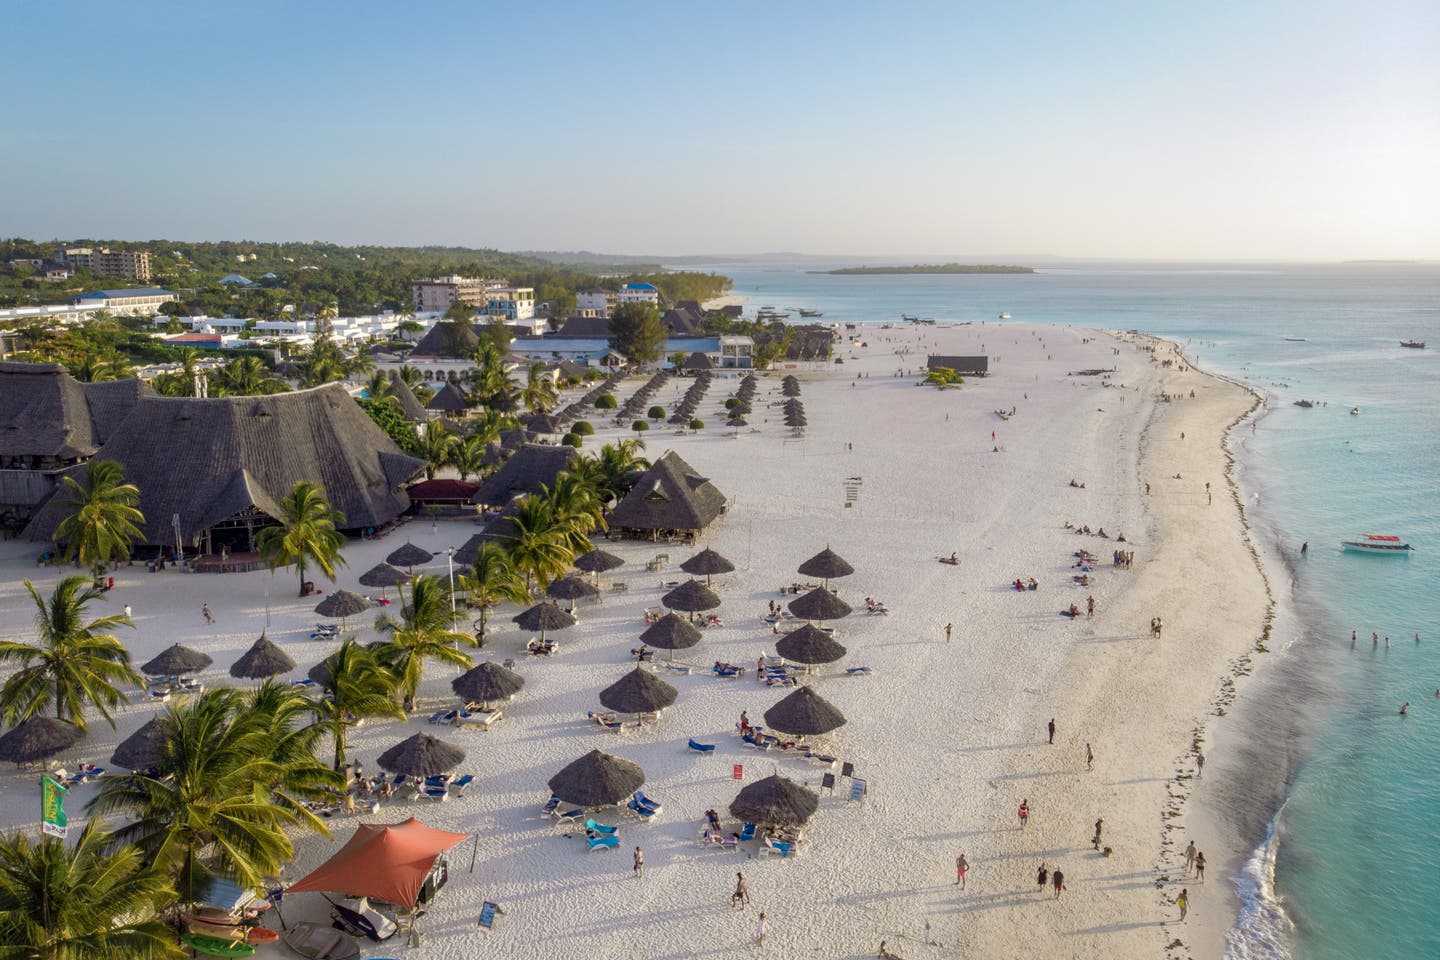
{"x":383,"y":861}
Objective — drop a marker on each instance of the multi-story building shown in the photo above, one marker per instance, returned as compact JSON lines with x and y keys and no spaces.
{"x":122,"y":263}
{"x":512,"y":303}
{"x":596,"y":303}
{"x":640,"y":293}
{"x":74,"y":256}
{"x":138,"y":301}
{"x":438,"y":294}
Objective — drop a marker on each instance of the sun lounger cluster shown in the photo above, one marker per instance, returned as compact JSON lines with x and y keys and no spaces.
{"x":468,"y":717}
{"x":325,"y":631}
{"x":160,"y":689}
{"x":727,"y":671}
{"x":611,"y":722}
{"x":713,"y":834}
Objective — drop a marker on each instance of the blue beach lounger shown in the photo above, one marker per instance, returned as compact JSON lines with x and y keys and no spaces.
{"x":702,"y":747}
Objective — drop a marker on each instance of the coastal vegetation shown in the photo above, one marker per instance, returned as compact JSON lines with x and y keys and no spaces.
{"x":943,"y":377}
{"x":73,"y":665}
{"x":88,"y":899}
{"x":308,"y":532}
{"x":355,"y":686}
{"x":101,"y":515}
{"x":927,"y":268}
{"x":636,"y":332}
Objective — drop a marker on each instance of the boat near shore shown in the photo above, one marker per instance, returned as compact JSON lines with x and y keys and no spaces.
{"x":1413,"y":344}
{"x":1004,"y":316}
{"x":1307,"y":404}
{"x":1378,"y":543}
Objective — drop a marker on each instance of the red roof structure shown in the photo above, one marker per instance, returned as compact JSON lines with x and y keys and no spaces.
{"x":442,"y":489}
{"x":382,"y":861}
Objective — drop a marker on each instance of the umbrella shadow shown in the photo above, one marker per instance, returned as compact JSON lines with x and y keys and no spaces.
{"x":1116,"y":928}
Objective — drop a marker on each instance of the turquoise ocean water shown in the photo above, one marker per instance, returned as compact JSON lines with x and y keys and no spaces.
{"x":1340,"y":794}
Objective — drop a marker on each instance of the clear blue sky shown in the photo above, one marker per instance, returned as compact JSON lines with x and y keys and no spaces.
{"x":1196,"y":130}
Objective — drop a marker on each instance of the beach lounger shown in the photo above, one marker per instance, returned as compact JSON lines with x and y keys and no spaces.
{"x":458,"y":785}
{"x":550,"y":807}
{"x":756,"y":741}
{"x":747,"y":832}
{"x":569,"y":816}
{"x":307,"y":682}
{"x":776,"y":846}
{"x":442,"y":716}
{"x":682,"y":668}
{"x":441,"y":793}
{"x":647,"y":802}
{"x":605,"y":842}
{"x":702,"y":747}
{"x":483,"y":721}
{"x":594,"y":827}
{"x":643,"y":812}
{"x":857,"y":671}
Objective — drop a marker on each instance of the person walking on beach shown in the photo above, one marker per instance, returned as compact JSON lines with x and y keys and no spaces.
{"x":741,"y":896}
{"x":1200,"y":865}
{"x":1057,"y":880}
{"x":1199,"y":763}
{"x":1042,"y":877}
{"x":205,"y":612}
{"x":1089,"y":608}
{"x":760,"y":932}
{"x":961,"y":866}
{"x":1051,"y":727}
{"x":1024,"y":813}
{"x":1183,"y":902}
{"x":1089,"y":758}
{"x":127,"y":611}
{"x":948,"y":626}
{"x":639,"y":862}
{"x":1099,"y":826}
{"x":1190,"y":857}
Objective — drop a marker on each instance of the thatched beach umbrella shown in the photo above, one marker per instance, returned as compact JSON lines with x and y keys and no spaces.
{"x":38,"y":738}
{"x":827,"y":564}
{"x":142,"y":749}
{"x":421,"y":756}
{"x":809,"y":644}
{"x":639,"y":691}
{"x":777,"y":801}
{"x":819,"y":604}
{"x":597,"y":780}
{"x":342,"y":604}
{"x":487,"y":683}
{"x":175,"y":660}
{"x":736,"y":421}
{"x":671,"y":633}
{"x":572,"y":589}
{"x":542,"y":423}
{"x":708,"y":562}
{"x":320,"y":673}
{"x":409,"y":557}
{"x":383,"y":575}
{"x":692,"y":596}
{"x":263,"y":659}
{"x":544,"y":616}
{"x":597,"y":561}
{"x":803,"y":713}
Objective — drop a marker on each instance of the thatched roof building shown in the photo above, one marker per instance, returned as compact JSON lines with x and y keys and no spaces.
{"x":48,"y":419}
{"x":532,"y":465}
{"x":410,"y":406}
{"x":448,"y":339}
{"x":221,"y":466}
{"x":670,"y":496}
{"x":448,"y":399}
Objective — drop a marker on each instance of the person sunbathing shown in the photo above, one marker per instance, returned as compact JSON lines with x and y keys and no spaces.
{"x":1018,"y":585}
{"x":1033,"y":585}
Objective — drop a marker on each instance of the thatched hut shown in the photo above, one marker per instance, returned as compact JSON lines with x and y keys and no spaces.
{"x":532,"y":465}
{"x":669,"y":498}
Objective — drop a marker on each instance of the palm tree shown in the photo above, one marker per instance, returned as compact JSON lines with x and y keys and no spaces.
{"x":489,"y":424}
{"x":538,"y":547}
{"x":575,"y":507}
{"x":219,"y":803}
{"x":467,"y":456}
{"x":539,"y":394}
{"x":248,"y":377}
{"x":425,"y":631}
{"x":612,"y":471}
{"x":101,"y":515}
{"x":411,"y":375}
{"x":361,"y":363}
{"x":357,"y":685}
{"x":433,"y":446}
{"x":493,"y":580}
{"x":283,"y":712}
{"x":73,"y":665}
{"x":308,"y":531}
{"x":493,"y":385}
{"x":378,"y":386}
{"x":89,"y":900}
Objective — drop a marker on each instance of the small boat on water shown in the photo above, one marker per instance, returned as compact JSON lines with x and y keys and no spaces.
{"x":1004,"y":316}
{"x":1295,"y":339}
{"x":1354,"y":411}
{"x":1307,"y":404}
{"x":1377,"y":543}
{"x":811,"y":313}
{"x":909,"y":319}
{"x":1413,"y":344}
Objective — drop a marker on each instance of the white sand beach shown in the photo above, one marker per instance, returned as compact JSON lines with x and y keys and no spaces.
{"x":949,"y":737}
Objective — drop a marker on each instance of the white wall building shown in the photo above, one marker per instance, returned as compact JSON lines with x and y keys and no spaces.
{"x":640,"y":293}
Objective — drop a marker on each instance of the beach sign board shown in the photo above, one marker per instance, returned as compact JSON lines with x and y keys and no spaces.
{"x":487,"y":914}
{"x":857,"y":791}
{"x":52,"y":807}
{"x":739,"y":772}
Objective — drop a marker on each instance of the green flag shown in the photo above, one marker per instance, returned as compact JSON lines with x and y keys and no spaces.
{"x":52,"y":807}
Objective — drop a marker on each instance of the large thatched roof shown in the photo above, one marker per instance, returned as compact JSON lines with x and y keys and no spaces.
{"x":207,"y":460}
{"x":532,"y":465}
{"x":451,"y":339}
{"x":671,"y":495}
{"x":410,"y":405}
{"x":45,"y":412}
{"x":449,"y":398}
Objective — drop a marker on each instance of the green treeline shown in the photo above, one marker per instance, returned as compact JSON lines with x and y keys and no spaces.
{"x":929,"y":268}
{"x":312,"y":276}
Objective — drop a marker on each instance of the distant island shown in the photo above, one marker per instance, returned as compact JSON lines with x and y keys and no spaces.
{"x":929,"y":268}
